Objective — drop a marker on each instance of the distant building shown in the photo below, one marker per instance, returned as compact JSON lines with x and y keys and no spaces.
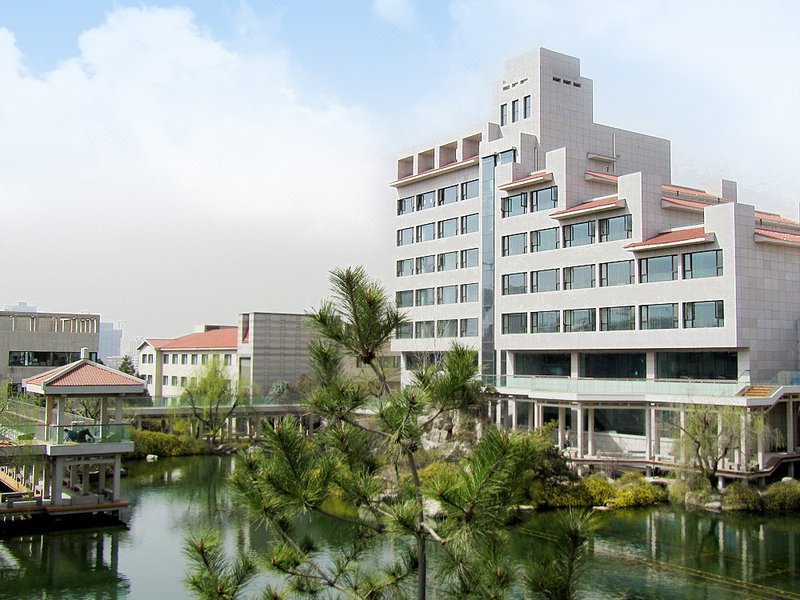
{"x":33,"y":342}
{"x":110,"y":342}
{"x":21,"y":306}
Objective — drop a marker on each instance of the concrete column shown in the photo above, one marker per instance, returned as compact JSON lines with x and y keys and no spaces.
{"x":512,"y":410}
{"x":656,"y":433}
{"x":682,"y":419}
{"x":84,"y":479}
{"x":574,"y":365}
{"x":531,"y":413}
{"x":103,"y":417}
{"x":57,"y":484}
{"x":499,"y":415}
{"x":60,"y":421}
{"x":648,"y":435}
{"x":743,"y":446}
{"x":72,"y":468}
{"x":790,"y":439}
{"x":578,"y":426}
{"x":118,"y":411}
{"x":170,"y":423}
{"x":562,"y":418}
{"x":48,"y":418}
{"x":117,"y":474}
{"x":760,"y":445}
{"x":590,"y":424}
{"x":101,"y":478}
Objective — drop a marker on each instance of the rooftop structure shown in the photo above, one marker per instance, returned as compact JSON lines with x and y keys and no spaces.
{"x":597,"y":292}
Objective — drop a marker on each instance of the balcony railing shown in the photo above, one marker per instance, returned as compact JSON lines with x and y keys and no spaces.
{"x":178,"y":402}
{"x":615,"y":387}
{"x":101,"y":433}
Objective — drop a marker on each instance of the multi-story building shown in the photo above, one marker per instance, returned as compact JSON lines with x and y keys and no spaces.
{"x":34,"y":342}
{"x":110,"y":342}
{"x":598,"y":293}
{"x":263,"y":349}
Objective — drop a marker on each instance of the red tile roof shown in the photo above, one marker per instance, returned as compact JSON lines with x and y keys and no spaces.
{"x":779,"y":235}
{"x":214,"y":338}
{"x":612,"y":200}
{"x":672,"y":237}
{"x":678,"y":189}
{"x":765,"y":216}
{"x":156,"y":342}
{"x":84,"y":374}
{"x":686,"y":203}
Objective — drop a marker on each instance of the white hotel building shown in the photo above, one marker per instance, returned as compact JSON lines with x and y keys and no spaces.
{"x":597,"y":292}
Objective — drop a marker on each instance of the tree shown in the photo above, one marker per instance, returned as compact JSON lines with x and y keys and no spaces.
{"x":556,"y":576}
{"x":360,"y":317}
{"x":212,"y":398}
{"x":710,"y":434}
{"x":126,"y":366}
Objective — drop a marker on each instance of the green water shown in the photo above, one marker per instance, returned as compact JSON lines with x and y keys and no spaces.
{"x":645,"y":554}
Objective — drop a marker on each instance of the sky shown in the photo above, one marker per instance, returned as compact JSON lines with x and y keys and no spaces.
{"x":167,"y":164}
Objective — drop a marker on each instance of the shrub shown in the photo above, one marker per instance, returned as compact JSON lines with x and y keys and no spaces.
{"x":632,"y":490}
{"x":678,"y":491}
{"x":742,"y":496}
{"x":165,"y":444}
{"x":436,"y":469}
{"x":560,"y":495}
{"x":783,"y":496}
{"x":600,"y":489}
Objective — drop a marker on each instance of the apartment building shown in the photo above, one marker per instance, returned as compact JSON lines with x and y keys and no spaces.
{"x":33,"y":342}
{"x":598,"y":293}
{"x":261,"y":350}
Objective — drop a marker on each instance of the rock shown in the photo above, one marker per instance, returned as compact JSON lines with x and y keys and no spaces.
{"x":602,"y":508}
{"x":715,"y":506}
{"x":433,"y":509}
{"x":151,"y":457}
{"x":788,"y":480}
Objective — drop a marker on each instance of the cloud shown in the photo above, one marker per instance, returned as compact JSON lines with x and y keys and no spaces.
{"x":399,"y":13}
{"x":158,"y":150}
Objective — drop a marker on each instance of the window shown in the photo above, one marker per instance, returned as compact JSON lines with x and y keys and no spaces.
{"x":405,"y":267}
{"x":514,"y":244}
{"x":469,"y":189}
{"x":174,"y":359}
{"x":545,"y":321}
{"x":579,"y":234}
{"x":552,"y":365}
{"x":526,"y":107}
{"x":469,"y":292}
{"x":658,"y":316}
{"x":579,"y":319}
{"x":447,"y":328}
{"x":175,"y":380}
{"x":448,"y":227}
{"x":515,"y":283}
{"x":404,"y":298}
{"x":423,"y":329}
{"x":194,"y":359}
{"x":515,"y":205}
{"x":183,"y":382}
{"x":426,"y":200}
{"x":469,"y":258}
{"x":405,"y":205}
{"x":227,"y":360}
{"x":617,"y":318}
{"x":184,"y":359}
{"x":544,"y":281}
{"x":405,"y":236}
{"x":696,"y":365}
{"x":612,"y":365}
{"x":469,"y":223}
{"x":149,"y":380}
{"x":165,"y":359}
{"x":703,"y":314}
{"x":515,"y":111}
{"x":580,"y":277}
{"x":165,"y":380}
{"x":425,"y":296}
{"x":615,"y":228}
{"x":544,"y":239}
{"x":404,"y":331}
{"x":447,"y":261}
{"x":544,"y":199}
{"x":616,"y":273}
{"x":426,"y":264}
{"x":204,"y":359}
{"x":503,"y":114}
{"x":702,"y":264}
{"x":426,"y":232}
{"x":448,"y":195}
{"x":658,"y":268}
{"x":469,"y":328}
{"x":447,"y":294}
{"x":507,"y":156}
{"x":515,"y":323}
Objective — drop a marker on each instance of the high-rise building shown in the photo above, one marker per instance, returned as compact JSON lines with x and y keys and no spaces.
{"x":110,"y":342}
{"x":598,"y":292}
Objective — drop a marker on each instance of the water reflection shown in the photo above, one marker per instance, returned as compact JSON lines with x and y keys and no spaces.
{"x":641,"y":554}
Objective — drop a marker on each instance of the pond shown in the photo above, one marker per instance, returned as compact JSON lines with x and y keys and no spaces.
{"x":651,"y":553}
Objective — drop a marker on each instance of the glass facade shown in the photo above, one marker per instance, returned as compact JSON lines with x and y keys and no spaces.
{"x":532,"y":363}
{"x":696,"y":365}
{"x":488,"y":164}
{"x":33,"y":358}
{"x":622,"y":365}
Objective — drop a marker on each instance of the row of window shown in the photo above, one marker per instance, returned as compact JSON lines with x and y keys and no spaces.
{"x":578,"y":234}
{"x":441,"y":229}
{"x":446,"y":261}
{"x":186,"y":359}
{"x":33,"y":358}
{"x":696,"y":265}
{"x":446,"y":328}
{"x":515,"y":110}
{"x":175,"y":381}
{"x":440,"y":197}
{"x":446,"y":294}
{"x":617,"y":318}
{"x":518,"y":204}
